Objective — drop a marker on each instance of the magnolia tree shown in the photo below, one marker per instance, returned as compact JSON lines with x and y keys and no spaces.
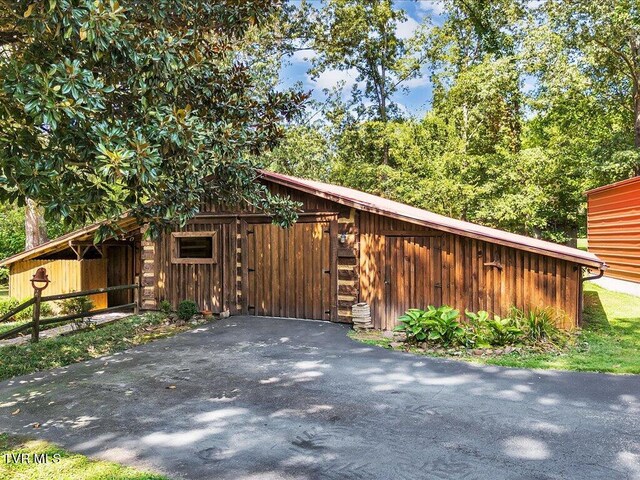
{"x":108,"y":106}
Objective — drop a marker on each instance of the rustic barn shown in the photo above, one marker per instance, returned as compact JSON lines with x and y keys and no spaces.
{"x":348,"y":247}
{"x":613,"y":227}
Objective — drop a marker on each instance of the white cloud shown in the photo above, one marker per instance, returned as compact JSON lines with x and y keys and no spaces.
{"x":303,"y":56}
{"x":434,"y":7}
{"x":405,"y":29}
{"x":331,"y":78}
{"x":421,"y":81}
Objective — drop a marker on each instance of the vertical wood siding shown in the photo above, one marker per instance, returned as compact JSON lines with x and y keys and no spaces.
{"x":422,"y":266}
{"x":65,"y":275}
{"x":526,"y":280}
{"x":289,"y":270}
{"x":613,"y":228}
{"x":209,"y":285}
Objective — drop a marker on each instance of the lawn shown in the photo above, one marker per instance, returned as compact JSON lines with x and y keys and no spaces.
{"x":609,"y":340}
{"x":61,"y":351}
{"x":60,"y":464}
{"x":583,"y":244}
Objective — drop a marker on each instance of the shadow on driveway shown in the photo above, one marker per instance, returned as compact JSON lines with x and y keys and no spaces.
{"x":251,"y":397}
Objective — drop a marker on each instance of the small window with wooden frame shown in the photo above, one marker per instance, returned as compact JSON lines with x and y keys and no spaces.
{"x":194,"y":247}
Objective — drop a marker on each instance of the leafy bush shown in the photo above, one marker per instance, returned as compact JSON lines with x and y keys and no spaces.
{"x":27,"y":313}
{"x":436,"y":324}
{"x":187,"y":309}
{"x":4,"y":276}
{"x":504,"y":331}
{"x":441,"y":326}
{"x":477,"y":333}
{"x":71,"y":306}
{"x":165,"y":306}
{"x":8,"y":304}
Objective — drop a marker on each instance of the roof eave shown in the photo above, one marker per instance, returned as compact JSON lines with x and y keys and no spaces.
{"x":372,"y":209}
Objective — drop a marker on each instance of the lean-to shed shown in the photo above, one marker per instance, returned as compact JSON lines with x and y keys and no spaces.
{"x":349,"y":247}
{"x":613,"y":227}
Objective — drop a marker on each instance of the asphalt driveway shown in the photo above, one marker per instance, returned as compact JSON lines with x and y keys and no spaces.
{"x":261,"y":398}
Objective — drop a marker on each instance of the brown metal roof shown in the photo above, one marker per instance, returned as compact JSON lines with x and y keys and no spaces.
{"x":372,"y":203}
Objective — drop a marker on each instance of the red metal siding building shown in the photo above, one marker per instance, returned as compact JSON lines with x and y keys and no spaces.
{"x":613,"y":227}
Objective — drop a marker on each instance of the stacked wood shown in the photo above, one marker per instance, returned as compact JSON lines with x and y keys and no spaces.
{"x":361,"y":315}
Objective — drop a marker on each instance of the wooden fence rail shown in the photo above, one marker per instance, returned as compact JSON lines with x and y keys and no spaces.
{"x":37,"y":299}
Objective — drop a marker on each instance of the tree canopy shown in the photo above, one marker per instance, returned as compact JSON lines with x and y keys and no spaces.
{"x":108,"y":106}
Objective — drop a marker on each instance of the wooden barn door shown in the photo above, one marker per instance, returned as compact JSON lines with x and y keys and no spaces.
{"x":288,"y":271}
{"x":413,"y":274}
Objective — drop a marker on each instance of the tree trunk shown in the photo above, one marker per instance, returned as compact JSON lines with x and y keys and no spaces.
{"x":35,"y":228}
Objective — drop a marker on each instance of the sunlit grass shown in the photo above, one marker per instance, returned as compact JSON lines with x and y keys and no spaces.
{"x":60,"y":465}
{"x":583,"y":244}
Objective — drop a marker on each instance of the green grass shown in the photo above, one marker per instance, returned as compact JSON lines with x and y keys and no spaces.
{"x":6,"y":326}
{"x":4,"y":292}
{"x":608,"y":342}
{"x":60,"y":465}
{"x":582,"y":244}
{"x":61,"y":351}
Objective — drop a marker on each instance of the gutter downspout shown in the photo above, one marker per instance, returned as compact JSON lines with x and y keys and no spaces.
{"x":603,"y":268}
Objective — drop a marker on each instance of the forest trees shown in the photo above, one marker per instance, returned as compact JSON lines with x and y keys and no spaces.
{"x":109,"y":106}
{"x":533,"y":103}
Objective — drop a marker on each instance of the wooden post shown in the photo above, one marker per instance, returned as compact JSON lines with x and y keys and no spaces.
{"x":136,"y":294}
{"x":39,"y":281}
{"x":35,"y":328}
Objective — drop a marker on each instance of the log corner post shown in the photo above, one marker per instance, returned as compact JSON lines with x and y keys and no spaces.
{"x":148,"y":283}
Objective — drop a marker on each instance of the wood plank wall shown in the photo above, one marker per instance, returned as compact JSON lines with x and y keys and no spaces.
{"x":65,"y":275}
{"x":202,"y":283}
{"x":526,"y":280}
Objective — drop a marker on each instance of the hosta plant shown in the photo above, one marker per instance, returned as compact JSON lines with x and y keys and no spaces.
{"x":434,"y":324}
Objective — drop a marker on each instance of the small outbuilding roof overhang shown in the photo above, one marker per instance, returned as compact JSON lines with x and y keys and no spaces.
{"x":126,"y":224}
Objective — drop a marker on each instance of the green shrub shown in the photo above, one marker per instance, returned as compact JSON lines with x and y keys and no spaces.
{"x":539,"y":325}
{"x":504,"y":331}
{"x":74,"y":305}
{"x":27,"y":314}
{"x":477,"y":333}
{"x":435,"y":324}
{"x":187,"y":309}
{"x":4,"y":276}
{"x":8,"y":304}
{"x":165,"y":306}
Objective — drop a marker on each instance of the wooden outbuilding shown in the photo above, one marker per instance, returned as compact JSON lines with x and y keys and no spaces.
{"x":613,"y":227}
{"x":347,"y":247}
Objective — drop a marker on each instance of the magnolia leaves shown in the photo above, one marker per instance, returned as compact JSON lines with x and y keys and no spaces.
{"x":112,"y":107}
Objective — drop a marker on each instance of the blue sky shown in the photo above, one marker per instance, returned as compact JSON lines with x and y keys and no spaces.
{"x":418,"y":99}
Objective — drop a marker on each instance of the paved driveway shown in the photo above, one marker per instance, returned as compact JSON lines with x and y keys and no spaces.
{"x":264,"y":398}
